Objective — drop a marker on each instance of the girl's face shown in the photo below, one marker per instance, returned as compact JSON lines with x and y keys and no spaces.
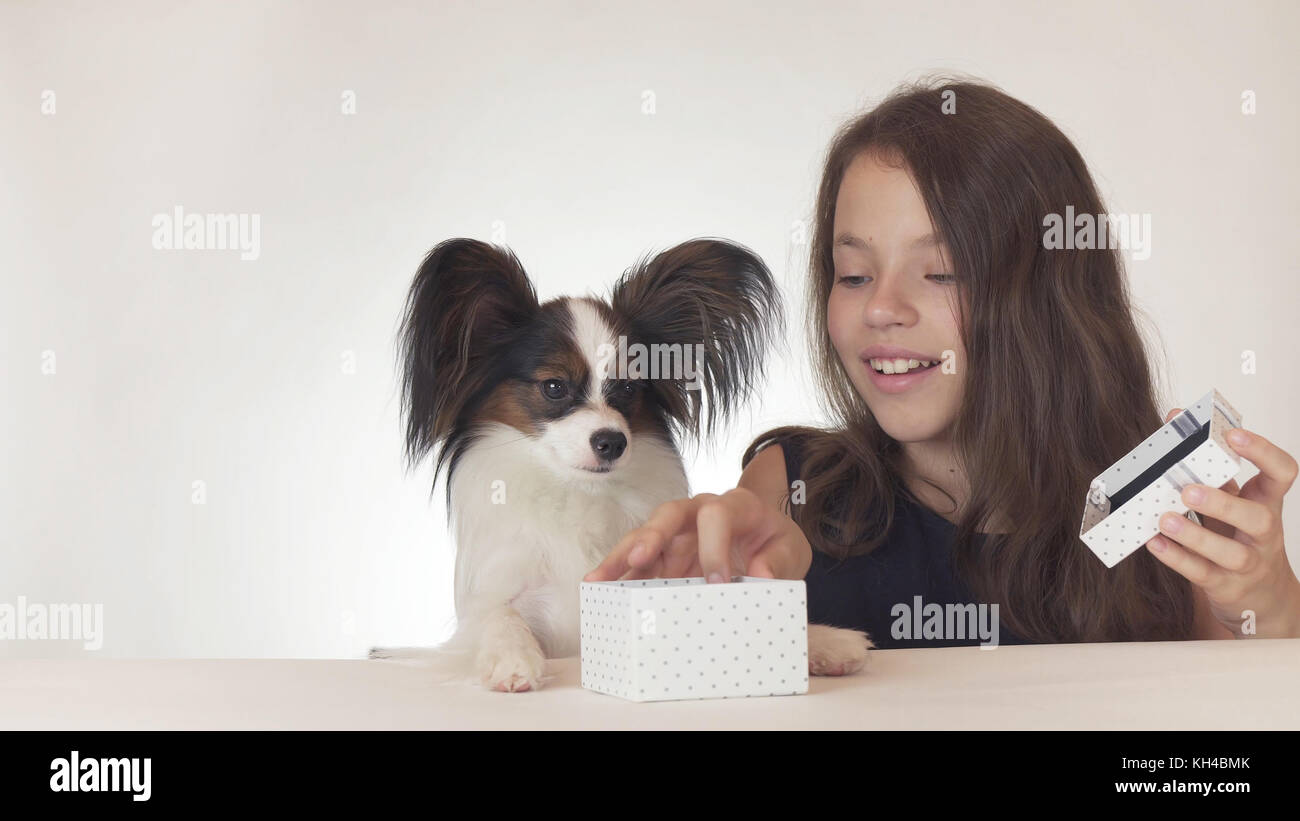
{"x":893,"y":289}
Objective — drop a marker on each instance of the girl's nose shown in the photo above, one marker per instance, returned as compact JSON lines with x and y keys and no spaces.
{"x":889,"y":303}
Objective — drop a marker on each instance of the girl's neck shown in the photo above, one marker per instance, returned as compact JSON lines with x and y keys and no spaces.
{"x":936,"y":460}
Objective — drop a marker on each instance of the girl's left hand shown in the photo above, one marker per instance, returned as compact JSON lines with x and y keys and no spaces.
{"x":1238,"y":557}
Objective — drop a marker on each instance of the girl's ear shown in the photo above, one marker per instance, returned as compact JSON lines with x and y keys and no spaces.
{"x":467,"y":301}
{"x":718,"y":301}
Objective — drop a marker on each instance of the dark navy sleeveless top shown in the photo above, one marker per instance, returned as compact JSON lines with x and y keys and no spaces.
{"x":890,"y":591}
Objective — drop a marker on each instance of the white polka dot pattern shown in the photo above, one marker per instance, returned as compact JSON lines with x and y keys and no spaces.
{"x":669,"y":639}
{"x":1116,"y":534}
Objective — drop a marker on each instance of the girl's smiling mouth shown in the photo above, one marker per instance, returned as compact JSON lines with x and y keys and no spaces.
{"x":900,"y":366}
{"x":895,"y":370}
{"x":898,"y":382}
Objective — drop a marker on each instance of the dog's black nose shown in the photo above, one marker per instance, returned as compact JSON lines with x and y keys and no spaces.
{"x":608,"y":444}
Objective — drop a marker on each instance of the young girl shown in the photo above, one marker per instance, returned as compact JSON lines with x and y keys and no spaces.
{"x":963,"y":482}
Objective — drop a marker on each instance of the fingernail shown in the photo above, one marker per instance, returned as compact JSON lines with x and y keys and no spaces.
{"x":635,"y":552}
{"x":715,"y":577}
{"x":1158,"y":544}
{"x":1238,"y":437}
{"x":1170,"y":523}
{"x":1194,"y":494}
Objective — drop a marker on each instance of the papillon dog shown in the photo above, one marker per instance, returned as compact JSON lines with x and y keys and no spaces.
{"x":558,"y":425}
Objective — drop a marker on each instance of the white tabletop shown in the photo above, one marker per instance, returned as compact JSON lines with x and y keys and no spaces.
{"x":1248,"y":684}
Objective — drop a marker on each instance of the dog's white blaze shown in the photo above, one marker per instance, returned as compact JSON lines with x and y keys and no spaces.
{"x":570,"y":437}
{"x":591,"y":335}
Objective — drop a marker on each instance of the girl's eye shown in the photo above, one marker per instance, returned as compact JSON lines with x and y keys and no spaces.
{"x":852,"y":282}
{"x":554,"y":389}
{"x":945,"y":277}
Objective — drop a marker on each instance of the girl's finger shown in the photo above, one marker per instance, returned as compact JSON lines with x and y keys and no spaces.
{"x":682,"y":554}
{"x":1228,"y":554}
{"x":773,"y":558}
{"x":641,"y":545}
{"x":719,"y":520}
{"x":759,"y":567}
{"x":1196,"y":569}
{"x":1222,"y":528}
{"x":1255,"y":519}
{"x":761,"y":564}
{"x":651,"y":571}
{"x":1277,"y":468}
{"x":612,"y":566}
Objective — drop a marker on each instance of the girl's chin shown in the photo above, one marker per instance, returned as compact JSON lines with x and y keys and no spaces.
{"x":912,"y":424}
{"x":909,"y":417}
{"x":914,"y":433}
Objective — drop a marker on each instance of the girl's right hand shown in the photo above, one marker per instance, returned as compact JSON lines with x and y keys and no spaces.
{"x":712,"y":536}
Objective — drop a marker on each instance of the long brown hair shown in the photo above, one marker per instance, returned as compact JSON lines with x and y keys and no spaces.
{"x":1057,"y":383}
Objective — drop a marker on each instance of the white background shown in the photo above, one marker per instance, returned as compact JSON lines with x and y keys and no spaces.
{"x":183,"y":366}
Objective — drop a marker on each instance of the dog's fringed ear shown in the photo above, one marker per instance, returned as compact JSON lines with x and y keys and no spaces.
{"x":712,"y":293}
{"x":467,"y":300}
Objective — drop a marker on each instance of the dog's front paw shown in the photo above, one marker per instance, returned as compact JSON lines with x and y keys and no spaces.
{"x":511,"y":669}
{"x":836,"y":651}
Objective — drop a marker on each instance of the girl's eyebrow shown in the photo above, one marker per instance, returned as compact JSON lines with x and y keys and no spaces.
{"x":930,"y":240}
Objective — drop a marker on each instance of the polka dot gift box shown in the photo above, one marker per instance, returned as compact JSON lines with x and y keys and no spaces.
{"x":1125,"y":503}
{"x":668,"y":639}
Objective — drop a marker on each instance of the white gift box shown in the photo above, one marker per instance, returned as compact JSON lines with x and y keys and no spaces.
{"x":1124,"y":504}
{"x":668,"y":639}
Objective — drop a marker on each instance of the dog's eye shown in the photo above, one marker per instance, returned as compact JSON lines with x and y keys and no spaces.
{"x":554,"y":388}
{"x":624,"y":388}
